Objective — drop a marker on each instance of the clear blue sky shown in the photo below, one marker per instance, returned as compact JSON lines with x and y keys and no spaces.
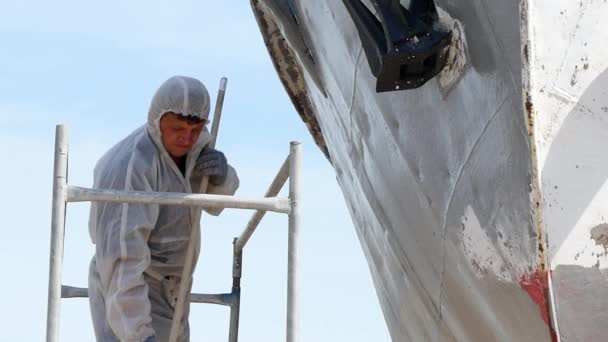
{"x":94,"y":68}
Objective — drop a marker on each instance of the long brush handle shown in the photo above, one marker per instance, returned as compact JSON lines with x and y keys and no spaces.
{"x":194,"y":235}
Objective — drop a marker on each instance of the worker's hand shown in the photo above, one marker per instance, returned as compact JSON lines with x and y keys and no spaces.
{"x":151,"y":339}
{"x":212,"y":163}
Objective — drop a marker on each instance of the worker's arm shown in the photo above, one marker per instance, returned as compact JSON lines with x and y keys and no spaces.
{"x":223,"y":179}
{"x":228,"y":187}
{"x":122,"y":256}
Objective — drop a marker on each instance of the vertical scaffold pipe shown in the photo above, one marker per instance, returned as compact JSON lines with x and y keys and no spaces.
{"x":235,"y":306}
{"x":295,"y":169}
{"x":60,"y":175}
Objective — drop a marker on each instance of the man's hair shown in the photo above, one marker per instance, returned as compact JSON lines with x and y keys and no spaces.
{"x":191,"y":119}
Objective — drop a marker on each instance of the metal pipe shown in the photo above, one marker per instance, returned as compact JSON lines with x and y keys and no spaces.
{"x":195,"y":234}
{"x":235,"y":308}
{"x":215,"y":128}
{"x":295,"y":186}
{"x":237,"y":264}
{"x":74,"y":292}
{"x":220,"y":298}
{"x":60,"y":175}
{"x":273,"y":190}
{"x":225,"y":299}
{"x":217,"y":114}
{"x":78,"y":194}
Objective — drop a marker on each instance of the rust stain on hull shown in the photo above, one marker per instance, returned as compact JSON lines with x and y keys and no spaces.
{"x":536,"y":196}
{"x":535,"y":283}
{"x":529,"y":111}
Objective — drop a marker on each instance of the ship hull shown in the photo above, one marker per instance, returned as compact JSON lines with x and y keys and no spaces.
{"x":443,"y":182}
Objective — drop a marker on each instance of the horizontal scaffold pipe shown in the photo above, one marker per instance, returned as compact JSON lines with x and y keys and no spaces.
{"x":273,"y":190}
{"x":276,"y":204}
{"x":219,"y":299}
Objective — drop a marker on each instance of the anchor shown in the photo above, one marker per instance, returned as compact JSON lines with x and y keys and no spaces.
{"x":404,"y":49}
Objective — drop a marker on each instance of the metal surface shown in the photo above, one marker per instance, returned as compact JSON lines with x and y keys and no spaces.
{"x":272,"y":191}
{"x":60,"y":175}
{"x":293,"y":249}
{"x":566,"y":97}
{"x":440,"y":184}
{"x":195,"y":234}
{"x":276,"y":204}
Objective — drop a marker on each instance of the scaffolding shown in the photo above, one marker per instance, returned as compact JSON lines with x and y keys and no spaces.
{"x":63,"y":194}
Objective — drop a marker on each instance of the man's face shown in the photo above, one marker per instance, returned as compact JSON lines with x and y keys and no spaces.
{"x":178,"y":135}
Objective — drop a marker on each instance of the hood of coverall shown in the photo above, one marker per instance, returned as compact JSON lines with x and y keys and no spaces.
{"x":184,"y":96}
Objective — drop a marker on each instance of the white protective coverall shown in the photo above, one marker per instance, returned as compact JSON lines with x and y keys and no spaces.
{"x":140,"y":249}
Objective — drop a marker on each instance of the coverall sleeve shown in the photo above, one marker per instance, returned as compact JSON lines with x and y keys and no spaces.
{"x":122,"y":257}
{"x":229,"y":187}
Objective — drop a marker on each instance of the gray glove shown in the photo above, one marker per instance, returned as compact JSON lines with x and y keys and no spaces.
{"x":151,"y":339}
{"x":212,"y":163}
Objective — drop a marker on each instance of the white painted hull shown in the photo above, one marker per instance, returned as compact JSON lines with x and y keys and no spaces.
{"x":464,"y":198}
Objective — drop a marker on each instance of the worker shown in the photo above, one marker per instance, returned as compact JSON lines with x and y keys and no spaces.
{"x":140,"y":249}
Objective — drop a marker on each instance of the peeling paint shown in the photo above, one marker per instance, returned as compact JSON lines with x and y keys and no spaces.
{"x":573,"y":79}
{"x":456,"y":63}
{"x":290,"y":72}
{"x":487,"y":257}
{"x":599,"y":234}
